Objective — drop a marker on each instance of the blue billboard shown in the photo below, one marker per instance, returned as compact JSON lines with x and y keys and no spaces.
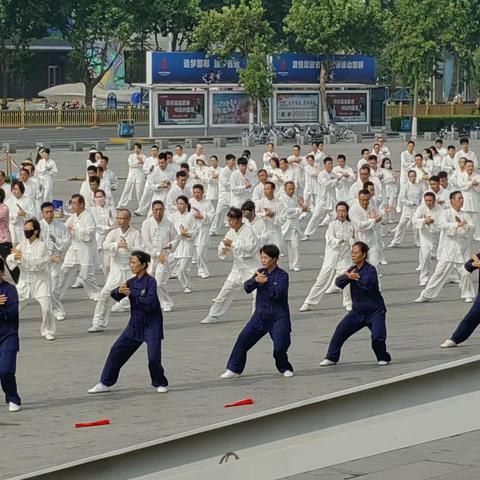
{"x":305,"y":68}
{"x":192,"y":68}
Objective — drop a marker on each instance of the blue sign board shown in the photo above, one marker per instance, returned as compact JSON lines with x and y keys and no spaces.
{"x":192,"y":68}
{"x":305,"y":68}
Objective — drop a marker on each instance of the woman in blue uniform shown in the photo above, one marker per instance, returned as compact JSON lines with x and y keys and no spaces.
{"x":9,"y":343}
{"x":271,"y":315}
{"x":145,"y":325}
{"x":368,"y":308}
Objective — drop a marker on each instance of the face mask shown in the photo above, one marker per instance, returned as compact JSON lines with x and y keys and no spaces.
{"x":29,"y":233}
{"x":100,"y":201}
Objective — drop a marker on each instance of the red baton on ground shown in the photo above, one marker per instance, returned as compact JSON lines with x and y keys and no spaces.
{"x":239,"y":403}
{"x":98,"y":423}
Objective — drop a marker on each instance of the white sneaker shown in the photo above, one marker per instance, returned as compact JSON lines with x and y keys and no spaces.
{"x":348,"y":308}
{"x":209,"y":319}
{"x":187,"y":290}
{"x":305,"y":238}
{"x":326,"y":363}
{"x":95,"y":329}
{"x":77,"y":284}
{"x":383,"y":262}
{"x":382,"y":363}
{"x":204,"y":276}
{"x":296,"y":269}
{"x":99,"y":388}
{"x":60,"y":316}
{"x":393,"y":245}
{"x":49,"y":337}
{"x":420,"y":299}
{"x":288,"y":373}
{"x":13,"y":407}
{"x":423,"y":284}
{"x":305,"y":308}
{"x":418,"y":268}
{"x":117,"y":308}
{"x":95,"y":297}
{"x":229,"y":374}
{"x":468,"y":300}
{"x":449,"y":343}
{"x":167,"y":308}
{"x":162,"y":389}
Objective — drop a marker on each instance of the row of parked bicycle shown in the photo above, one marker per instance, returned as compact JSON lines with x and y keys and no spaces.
{"x":462,"y":130}
{"x":262,"y":133}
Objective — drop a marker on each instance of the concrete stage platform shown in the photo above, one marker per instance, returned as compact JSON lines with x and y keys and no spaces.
{"x":54,"y":376}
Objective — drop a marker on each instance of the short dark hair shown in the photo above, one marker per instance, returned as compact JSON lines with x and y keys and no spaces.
{"x":262,"y":170}
{"x":363,"y":247}
{"x":46,"y":205}
{"x":327,"y":159}
{"x":246,"y":153}
{"x":439,"y":140}
{"x":184,"y":199}
{"x":365,"y":167}
{"x":271,"y":250}
{"x":372,"y":157}
{"x":341,"y":156}
{"x":451,"y":146}
{"x":271,"y":184}
{"x":242,"y":161}
{"x":229,"y":156}
{"x":158,"y":202}
{"x":434,"y":178}
{"x":363,"y":192}
{"x":143,"y":257}
{"x":296,"y":146}
{"x":442,"y":174}
{"x":199,"y":186}
{"x":181,"y":173}
{"x":35,"y":223}
{"x":79,"y":197}
{"x":464,"y":140}
{"x":365,"y":150}
{"x":368,"y":184}
{"x":234,"y":213}
{"x":429,"y":194}
{"x":248,"y":205}
{"x":20,"y":185}
{"x":137,"y":144}
{"x":92,"y":168}
{"x":94,"y":179}
{"x":452,"y":195}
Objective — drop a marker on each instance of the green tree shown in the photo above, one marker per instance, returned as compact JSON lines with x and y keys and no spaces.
{"x":22,"y":21}
{"x":416,"y":47}
{"x":335,"y":26}
{"x":240,"y":28}
{"x":98,"y":32}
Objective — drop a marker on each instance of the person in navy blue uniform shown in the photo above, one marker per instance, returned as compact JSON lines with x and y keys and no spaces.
{"x":472,"y":319}
{"x":145,"y":325}
{"x":368,"y":308}
{"x":271,"y":315}
{"x":9,"y":342}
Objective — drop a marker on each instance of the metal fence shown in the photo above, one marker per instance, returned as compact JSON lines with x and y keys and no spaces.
{"x":85,"y":117}
{"x":428,"y":110}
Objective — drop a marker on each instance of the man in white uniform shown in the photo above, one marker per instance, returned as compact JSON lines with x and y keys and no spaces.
{"x":135,"y":179}
{"x":240,"y":184}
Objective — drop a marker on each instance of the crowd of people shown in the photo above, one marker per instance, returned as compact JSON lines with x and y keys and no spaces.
{"x":261,"y":210}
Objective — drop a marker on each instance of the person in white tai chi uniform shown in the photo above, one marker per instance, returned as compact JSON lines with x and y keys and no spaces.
{"x":453,"y":251}
{"x":135,"y":179}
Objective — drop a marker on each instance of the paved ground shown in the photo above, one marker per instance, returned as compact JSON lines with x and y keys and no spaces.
{"x":454,"y":458}
{"x":53,"y":376}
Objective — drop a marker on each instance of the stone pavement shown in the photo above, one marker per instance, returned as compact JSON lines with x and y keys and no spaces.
{"x":453,"y":458}
{"x":54,"y":376}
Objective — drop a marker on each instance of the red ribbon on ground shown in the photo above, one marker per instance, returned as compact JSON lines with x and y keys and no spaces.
{"x":239,"y":403}
{"x":98,"y":423}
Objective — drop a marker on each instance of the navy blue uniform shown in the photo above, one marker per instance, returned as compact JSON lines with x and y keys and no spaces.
{"x":272,"y":316}
{"x":368,"y":310}
{"x":9,"y":343}
{"x":145,"y":325}
{"x":472,"y":319}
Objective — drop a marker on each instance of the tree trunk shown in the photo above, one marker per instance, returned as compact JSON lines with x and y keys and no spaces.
{"x":174,"y":44}
{"x":414,"y":113}
{"x":455,"y":77}
{"x":251,"y":114}
{"x":323,"y":94}
{"x":89,"y":93}
{"x":4,"y":77}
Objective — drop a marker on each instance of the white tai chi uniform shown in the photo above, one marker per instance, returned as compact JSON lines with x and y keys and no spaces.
{"x":104,"y":221}
{"x":224,"y":197}
{"x":428,"y":236}
{"x":326,"y":199}
{"x":182,"y":257}
{"x":148,"y":168}
{"x":202,"y":240}
{"x":17,"y":221}
{"x":46,"y":171}
{"x":471,"y":200}
{"x":135,"y":180}
{"x":160,"y":239}
{"x":239,"y":192}
{"x":82,"y":253}
{"x":34,"y":282}
{"x":244,"y":250}
{"x":346,"y":177}
{"x":453,"y":252}
{"x":407,"y":162}
{"x":291,"y":229}
{"x":339,"y":239}
{"x":410,"y":199}
{"x":120,"y":270}
{"x":56,"y":238}
{"x":273,"y":225}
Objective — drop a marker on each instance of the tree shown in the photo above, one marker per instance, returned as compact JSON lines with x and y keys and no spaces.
{"x":21,"y":21}
{"x":332,"y":27}
{"x":415,"y":48}
{"x":98,"y":32}
{"x":460,"y":37}
{"x":240,"y":28}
